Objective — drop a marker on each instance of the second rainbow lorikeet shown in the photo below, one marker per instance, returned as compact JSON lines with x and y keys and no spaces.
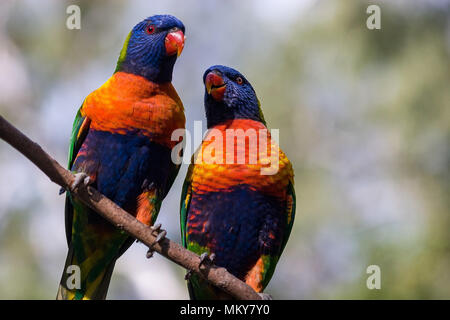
{"x":121,"y":145}
{"x":232,"y":209}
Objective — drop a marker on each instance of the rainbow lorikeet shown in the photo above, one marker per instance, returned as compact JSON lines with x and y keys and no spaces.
{"x":121,"y":144}
{"x":230,"y":206}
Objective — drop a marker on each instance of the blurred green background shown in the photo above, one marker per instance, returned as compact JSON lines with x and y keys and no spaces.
{"x":364,"y":115}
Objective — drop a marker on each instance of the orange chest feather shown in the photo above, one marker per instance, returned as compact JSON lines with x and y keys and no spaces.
{"x":127,"y":102}
{"x":240,"y":152}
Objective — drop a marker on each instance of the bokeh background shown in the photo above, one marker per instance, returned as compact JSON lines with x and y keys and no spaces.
{"x":364,"y":115}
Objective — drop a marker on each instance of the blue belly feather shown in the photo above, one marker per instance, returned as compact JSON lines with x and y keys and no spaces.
{"x":238,"y":225}
{"x":121,"y":163}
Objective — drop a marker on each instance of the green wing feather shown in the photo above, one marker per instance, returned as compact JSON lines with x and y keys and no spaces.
{"x":77,"y":137}
{"x":184,"y":204}
{"x":79,"y":131}
{"x":184,"y":207}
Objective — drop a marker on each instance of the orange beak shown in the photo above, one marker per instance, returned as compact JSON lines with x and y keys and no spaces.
{"x":215,"y":86}
{"x":174,"y":42}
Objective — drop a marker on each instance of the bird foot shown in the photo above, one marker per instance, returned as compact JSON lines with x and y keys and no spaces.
{"x":149,"y":253}
{"x":265,"y":296}
{"x":156,"y":227}
{"x":161,"y":232}
{"x":161,"y":236}
{"x":205,"y":257}
{"x":80,"y":177}
{"x":188,"y":275}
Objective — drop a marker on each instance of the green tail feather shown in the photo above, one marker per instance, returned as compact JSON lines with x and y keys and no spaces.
{"x":86,"y":289}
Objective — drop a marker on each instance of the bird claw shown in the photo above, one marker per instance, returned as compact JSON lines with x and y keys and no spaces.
{"x":161,"y":236}
{"x":80,"y":177}
{"x":156,"y":227}
{"x":149,"y":254}
{"x":265,"y":296}
{"x":188,"y":275}
{"x":161,"y":232}
{"x":205,"y":257}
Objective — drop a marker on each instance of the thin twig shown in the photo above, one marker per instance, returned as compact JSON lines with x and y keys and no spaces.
{"x":120,"y":218}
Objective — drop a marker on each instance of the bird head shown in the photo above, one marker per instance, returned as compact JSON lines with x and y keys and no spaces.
{"x":229,"y":95}
{"x":152,"y":48}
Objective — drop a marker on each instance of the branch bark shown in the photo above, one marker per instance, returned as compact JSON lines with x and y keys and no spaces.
{"x":217,"y":276}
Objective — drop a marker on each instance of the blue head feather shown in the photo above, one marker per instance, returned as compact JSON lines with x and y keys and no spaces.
{"x":239,"y":100}
{"x":144,"y":54}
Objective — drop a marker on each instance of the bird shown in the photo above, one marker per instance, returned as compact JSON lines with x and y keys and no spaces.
{"x":121,"y":145}
{"x":238,"y":199}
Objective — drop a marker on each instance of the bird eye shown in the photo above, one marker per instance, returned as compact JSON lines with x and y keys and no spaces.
{"x":150,"y":29}
{"x":239,"y":80}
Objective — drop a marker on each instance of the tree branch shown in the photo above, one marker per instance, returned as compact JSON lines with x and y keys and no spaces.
{"x":217,"y":276}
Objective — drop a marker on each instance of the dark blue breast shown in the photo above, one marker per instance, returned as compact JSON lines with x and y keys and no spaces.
{"x":241,"y":225}
{"x":121,"y":163}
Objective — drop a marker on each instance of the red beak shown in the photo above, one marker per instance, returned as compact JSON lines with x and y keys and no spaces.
{"x":174,"y":42}
{"x":215,"y":86}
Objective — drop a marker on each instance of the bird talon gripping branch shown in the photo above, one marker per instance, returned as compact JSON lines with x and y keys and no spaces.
{"x":80,"y":177}
{"x":161,"y":233}
{"x":149,"y":253}
{"x":188,"y":275}
{"x":206,"y":258}
{"x":161,"y":236}
{"x":156,"y":227}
